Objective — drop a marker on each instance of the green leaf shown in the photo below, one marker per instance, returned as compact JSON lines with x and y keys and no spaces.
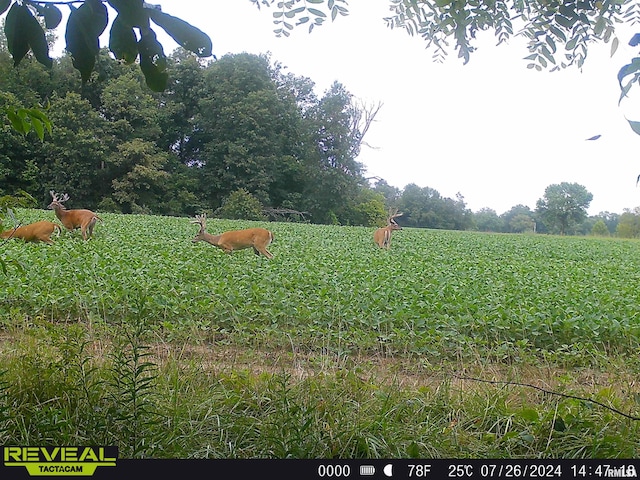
{"x":629,"y":69}
{"x":294,"y":12}
{"x":122,"y":41}
{"x":316,"y":12}
{"x":635,"y":126}
{"x":571,"y":44}
{"x":131,"y":12}
{"x":4,"y":4}
{"x":599,"y":27}
{"x":38,"y":127}
{"x":625,"y":89}
{"x":565,"y":22}
{"x":36,"y":38}
{"x":551,"y":43}
{"x":558,"y":33}
{"x":614,"y":46}
{"x":17,"y":121}
{"x":529,"y":414}
{"x":559,"y":425}
{"x":37,"y":116}
{"x":153,"y":62}
{"x":51,"y":14}
{"x":84,"y":26}
{"x":14,"y":29}
{"x":186,"y":35}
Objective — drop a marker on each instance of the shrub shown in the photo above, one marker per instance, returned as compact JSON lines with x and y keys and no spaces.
{"x":241,"y":205}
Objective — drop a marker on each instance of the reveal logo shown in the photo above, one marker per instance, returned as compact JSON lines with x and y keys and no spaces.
{"x":60,"y":461}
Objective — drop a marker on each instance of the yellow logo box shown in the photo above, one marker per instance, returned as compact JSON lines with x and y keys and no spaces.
{"x":60,"y":461}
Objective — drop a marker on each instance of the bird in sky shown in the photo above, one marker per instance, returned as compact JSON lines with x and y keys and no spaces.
{"x":595,"y":137}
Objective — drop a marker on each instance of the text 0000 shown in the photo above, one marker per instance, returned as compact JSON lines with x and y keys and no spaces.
{"x":334,"y":470}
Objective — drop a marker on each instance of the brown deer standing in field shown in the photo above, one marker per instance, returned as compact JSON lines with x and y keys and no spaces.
{"x":75,"y":218}
{"x":258,"y":238}
{"x":382,"y":236}
{"x":34,"y":232}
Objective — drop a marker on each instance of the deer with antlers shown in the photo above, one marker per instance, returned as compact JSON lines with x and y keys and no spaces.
{"x":382,"y":236}
{"x":258,"y":238}
{"x":34,"y":232}
{"x":85,"y":220}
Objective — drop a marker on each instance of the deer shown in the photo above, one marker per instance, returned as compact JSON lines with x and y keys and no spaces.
{"x":382,"y":236}
{"x":34,"y":232}
{"x":75,"y":218}
{"x":258,"y":238}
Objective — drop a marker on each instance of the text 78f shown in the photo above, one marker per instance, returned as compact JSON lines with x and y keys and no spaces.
{"x":419,"y":470}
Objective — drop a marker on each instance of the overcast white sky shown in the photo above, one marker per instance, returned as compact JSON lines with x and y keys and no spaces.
{"x":492,"y":130}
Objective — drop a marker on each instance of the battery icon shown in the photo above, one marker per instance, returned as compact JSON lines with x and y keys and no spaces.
{"x":366,"y":470}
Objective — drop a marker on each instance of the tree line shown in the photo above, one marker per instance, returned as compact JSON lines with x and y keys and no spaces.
{"x":237,"y":137}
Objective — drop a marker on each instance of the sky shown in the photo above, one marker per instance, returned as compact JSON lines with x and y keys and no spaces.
{"x":492,"y":130}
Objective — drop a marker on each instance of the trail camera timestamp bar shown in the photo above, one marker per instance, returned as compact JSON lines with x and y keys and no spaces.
{"x":483,"y":469}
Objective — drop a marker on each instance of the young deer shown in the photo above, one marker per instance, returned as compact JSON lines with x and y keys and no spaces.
{"x":258,"y":238}
{"x":34,"y":232}
{"x":382,"y":236}
{"x":72,"y":219}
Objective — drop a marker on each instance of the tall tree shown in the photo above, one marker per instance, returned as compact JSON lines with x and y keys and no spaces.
{"x":335,"y":176}
{"x":563,"y":206}
{"x":130,"y":109}
{"x":245,"y":132}
{"x":180,"y":102}
{"x":629,"y":224}
{"x":76,"y":156}
{"x":518,"y":219}
{"x":143,"y":186}
{"x":487,"y":220}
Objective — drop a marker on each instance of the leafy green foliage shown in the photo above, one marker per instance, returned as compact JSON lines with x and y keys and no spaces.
{"x":600,"y":229}
{"x":23,"y":33}
{"x":85,"y":25}
{"x":564,"y":205}
{"x":24,"y":120}
{"x":629,"y":224}
{"x":241,"y":205}
{"x":185,"y":35}
{"x":302,"y":13}
{"x":548,"y":26}
{"x":236,"y":123}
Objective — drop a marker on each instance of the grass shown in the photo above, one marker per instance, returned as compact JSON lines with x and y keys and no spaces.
{"x":141,"y":339}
